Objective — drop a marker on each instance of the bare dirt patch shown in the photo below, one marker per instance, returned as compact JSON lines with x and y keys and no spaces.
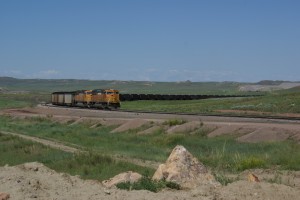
{"x":231,"y":130}
{"x":257,"y":132}
{"x":265,"y":135}
{"x":150,"y":130}
{"x":184,"y":128}
{"x":132,"y":124}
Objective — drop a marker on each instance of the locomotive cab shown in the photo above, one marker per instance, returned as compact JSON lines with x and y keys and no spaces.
{"x":112,"y":98}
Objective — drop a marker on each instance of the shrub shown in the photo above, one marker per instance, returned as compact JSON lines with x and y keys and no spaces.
{"x":146,"y":183}
{"x":222,"y":179}
{"x":174,"y":122}
{"x":250,"y":163}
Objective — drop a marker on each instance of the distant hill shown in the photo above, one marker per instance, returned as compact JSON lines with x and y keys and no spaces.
{"x":268,"y":85}
{"x":186,"y":87}
{"x":141,"y":87}
{"x":270,"y":82}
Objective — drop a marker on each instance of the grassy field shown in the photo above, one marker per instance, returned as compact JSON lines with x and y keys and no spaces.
{"x":22,"y":100}
{"x":14,"y":151}
{"x":220,"y":153}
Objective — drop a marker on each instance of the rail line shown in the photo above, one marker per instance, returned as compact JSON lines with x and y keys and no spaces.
{"x":219,"y":115}
{"x":230,"y":115}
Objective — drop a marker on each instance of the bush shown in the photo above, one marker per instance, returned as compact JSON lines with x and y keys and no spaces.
{"x":174,"y":122}
{"x":147,"y":183}
{"x":250,"y":163}
{"x":223,"y":179}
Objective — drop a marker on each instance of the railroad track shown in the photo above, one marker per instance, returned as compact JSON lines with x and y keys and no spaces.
{"x":229,"y":115}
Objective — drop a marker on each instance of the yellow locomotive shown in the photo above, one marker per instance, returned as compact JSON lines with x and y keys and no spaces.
{"x":105,"y":98}
{"x":98,"y":98}
{"x":83,"y":96}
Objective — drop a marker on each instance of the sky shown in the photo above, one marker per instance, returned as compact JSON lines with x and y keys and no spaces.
{"x":151,"y":40}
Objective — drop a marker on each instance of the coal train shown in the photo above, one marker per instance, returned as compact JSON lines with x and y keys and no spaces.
{"x":98,"y":98}
{"x":111,"y":98}
{"x":134,"y":97}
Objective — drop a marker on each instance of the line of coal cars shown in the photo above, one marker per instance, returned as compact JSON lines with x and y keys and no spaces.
{"x":110,"y":98}
{"x":134,"y":97}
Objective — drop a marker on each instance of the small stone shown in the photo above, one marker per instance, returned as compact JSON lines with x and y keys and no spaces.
{"x":4,"y":196}
{"x":252,"y":178}
{"x":129,"y":176}
{"x":107,"y":192}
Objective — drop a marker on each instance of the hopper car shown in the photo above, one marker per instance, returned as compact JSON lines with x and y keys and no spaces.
{"x":134,"y":97}
{"x":98,"y":98}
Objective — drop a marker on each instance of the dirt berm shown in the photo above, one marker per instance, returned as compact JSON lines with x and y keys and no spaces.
{"x":35,"y":181}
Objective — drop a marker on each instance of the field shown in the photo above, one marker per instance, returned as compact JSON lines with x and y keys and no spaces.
{"x":105,"y":154}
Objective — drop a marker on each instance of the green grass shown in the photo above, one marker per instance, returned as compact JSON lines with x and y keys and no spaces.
{"x":146,"y":183}
{"x":14,"y":151}
{"x":94,"y":165}
{"x":174,"y":122}
{"x":220,"y":153}
{"x":22,"y":100}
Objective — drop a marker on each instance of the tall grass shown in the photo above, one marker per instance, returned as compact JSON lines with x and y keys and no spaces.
{"x":14,"y":151}
{"x":22,"y":100}
{"x":220,"y":153}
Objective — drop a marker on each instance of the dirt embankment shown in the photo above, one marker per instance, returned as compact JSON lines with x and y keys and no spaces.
{"x":35,"y":181}
{"x":245,"y":130}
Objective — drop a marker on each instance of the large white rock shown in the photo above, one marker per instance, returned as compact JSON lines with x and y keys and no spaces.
{"x":183,"y":168}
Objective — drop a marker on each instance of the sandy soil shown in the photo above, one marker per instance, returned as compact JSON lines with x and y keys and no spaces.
{"x":35,"y":181}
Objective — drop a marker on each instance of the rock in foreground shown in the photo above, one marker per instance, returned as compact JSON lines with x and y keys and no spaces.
{"x":184,"y":169}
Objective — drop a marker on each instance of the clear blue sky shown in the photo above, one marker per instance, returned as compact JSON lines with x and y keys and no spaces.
{"x":151,"y":40}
